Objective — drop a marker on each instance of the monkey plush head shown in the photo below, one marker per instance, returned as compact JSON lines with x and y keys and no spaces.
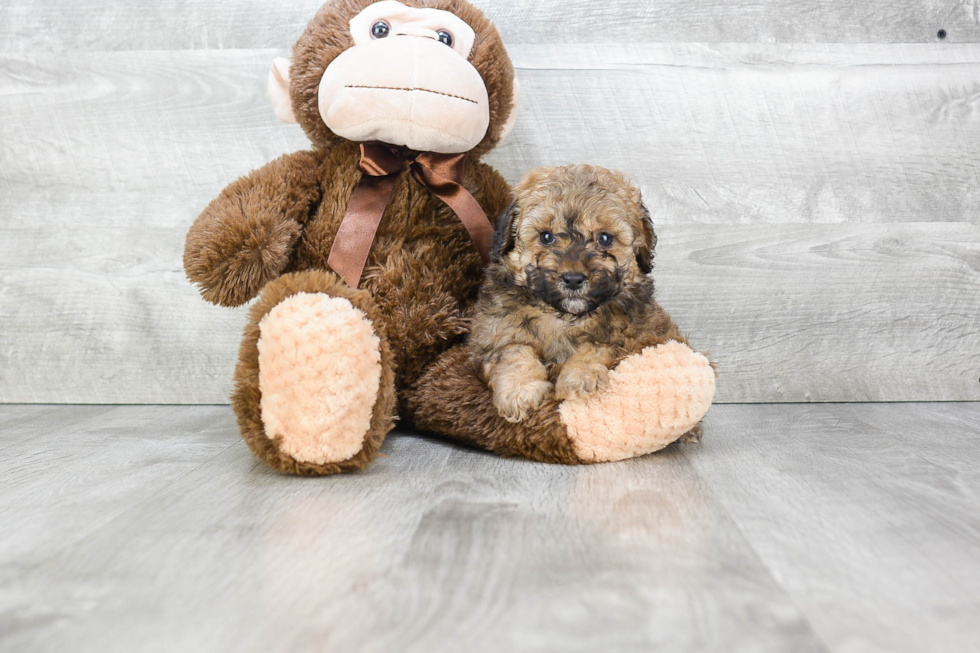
{"x":429,"y":75}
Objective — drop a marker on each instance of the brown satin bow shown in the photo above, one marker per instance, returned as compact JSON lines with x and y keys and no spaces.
{"x":380,"y":166}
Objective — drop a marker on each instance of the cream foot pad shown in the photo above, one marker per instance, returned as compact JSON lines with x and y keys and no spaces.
{"x":652,"y":399}
{"x":319,"y":373}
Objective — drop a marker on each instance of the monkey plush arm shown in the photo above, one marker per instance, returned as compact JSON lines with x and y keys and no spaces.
{"x":245,"y":237}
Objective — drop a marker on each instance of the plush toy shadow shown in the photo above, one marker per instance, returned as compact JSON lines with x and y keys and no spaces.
{"x":367,"y":251}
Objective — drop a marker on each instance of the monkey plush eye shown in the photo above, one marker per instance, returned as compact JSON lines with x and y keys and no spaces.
{"x":604,"y":239}
{"x":547,"y":238}
{"x":380,"y":29}
{"x":445,"y":37}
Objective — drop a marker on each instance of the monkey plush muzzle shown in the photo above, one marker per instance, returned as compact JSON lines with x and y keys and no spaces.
{"x":406,"y":90}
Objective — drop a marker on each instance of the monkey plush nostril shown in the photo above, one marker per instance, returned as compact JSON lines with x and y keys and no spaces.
{"x":573,"y":280}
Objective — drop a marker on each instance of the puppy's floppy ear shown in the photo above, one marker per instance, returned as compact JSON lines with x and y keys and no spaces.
{"x":505,"y":235}
{"x":648,"y":242}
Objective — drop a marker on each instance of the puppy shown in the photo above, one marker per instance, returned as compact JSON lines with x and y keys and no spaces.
{"x":568,"y":292}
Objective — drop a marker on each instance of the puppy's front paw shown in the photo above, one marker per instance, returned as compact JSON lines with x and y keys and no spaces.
{"x":577,"y":381}
{"x":515,"y":401}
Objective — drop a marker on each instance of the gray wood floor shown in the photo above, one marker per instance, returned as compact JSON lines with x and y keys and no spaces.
{"x":833,"y":527}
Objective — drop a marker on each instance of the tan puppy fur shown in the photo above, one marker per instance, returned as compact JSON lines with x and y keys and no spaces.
{"x":567,"y":295}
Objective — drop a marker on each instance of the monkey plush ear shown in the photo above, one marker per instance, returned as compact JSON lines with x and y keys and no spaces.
{"x":506,"y":232}
{"x":648,"y":242}
{"x":279,"y":90}
{"x":512,"y":118}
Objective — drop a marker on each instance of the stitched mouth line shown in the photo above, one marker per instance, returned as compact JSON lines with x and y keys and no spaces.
{"x":413,"y":88}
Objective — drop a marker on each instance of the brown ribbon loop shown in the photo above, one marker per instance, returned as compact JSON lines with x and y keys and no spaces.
{"x":380,"y":166}
{"x":443,"y":175}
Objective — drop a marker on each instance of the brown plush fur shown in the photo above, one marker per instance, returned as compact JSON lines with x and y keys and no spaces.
{"x":246,"y":398}
{"x":517,"y":309}
{"x":423,"y":272}
{"x":451,"y":400}
{"x":245,"y":237}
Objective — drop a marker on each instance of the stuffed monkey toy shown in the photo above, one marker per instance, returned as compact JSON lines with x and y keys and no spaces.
{"x":366,"y":253}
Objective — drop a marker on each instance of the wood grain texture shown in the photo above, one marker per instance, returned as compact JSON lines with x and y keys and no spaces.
{"x":834,"y":528}
{"x":867,"y":514}
{"x":817,"y":207}
{"x":829,"y":313}
{"x":60,"y":25}
{"x":729,"y":134}
{"x":67,"y":471}
{"x":433,"y":548}
{"x":752,"y":134}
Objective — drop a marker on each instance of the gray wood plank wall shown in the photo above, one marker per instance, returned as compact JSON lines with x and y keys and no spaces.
{"x":811,"y":166}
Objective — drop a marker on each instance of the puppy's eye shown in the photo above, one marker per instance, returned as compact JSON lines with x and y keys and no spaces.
{"x":445,"y":37}
{"x":605,"y":239}
{"x":547,"y":238}
{"x":380,"y":29}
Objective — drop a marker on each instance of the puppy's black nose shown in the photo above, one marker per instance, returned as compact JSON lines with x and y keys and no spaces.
{"x":574,"y":280}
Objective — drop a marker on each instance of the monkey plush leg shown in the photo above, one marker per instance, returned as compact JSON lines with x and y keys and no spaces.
{"x":450,"y":400}
{"x":314,"y":391}
{"x":652,"y":399}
